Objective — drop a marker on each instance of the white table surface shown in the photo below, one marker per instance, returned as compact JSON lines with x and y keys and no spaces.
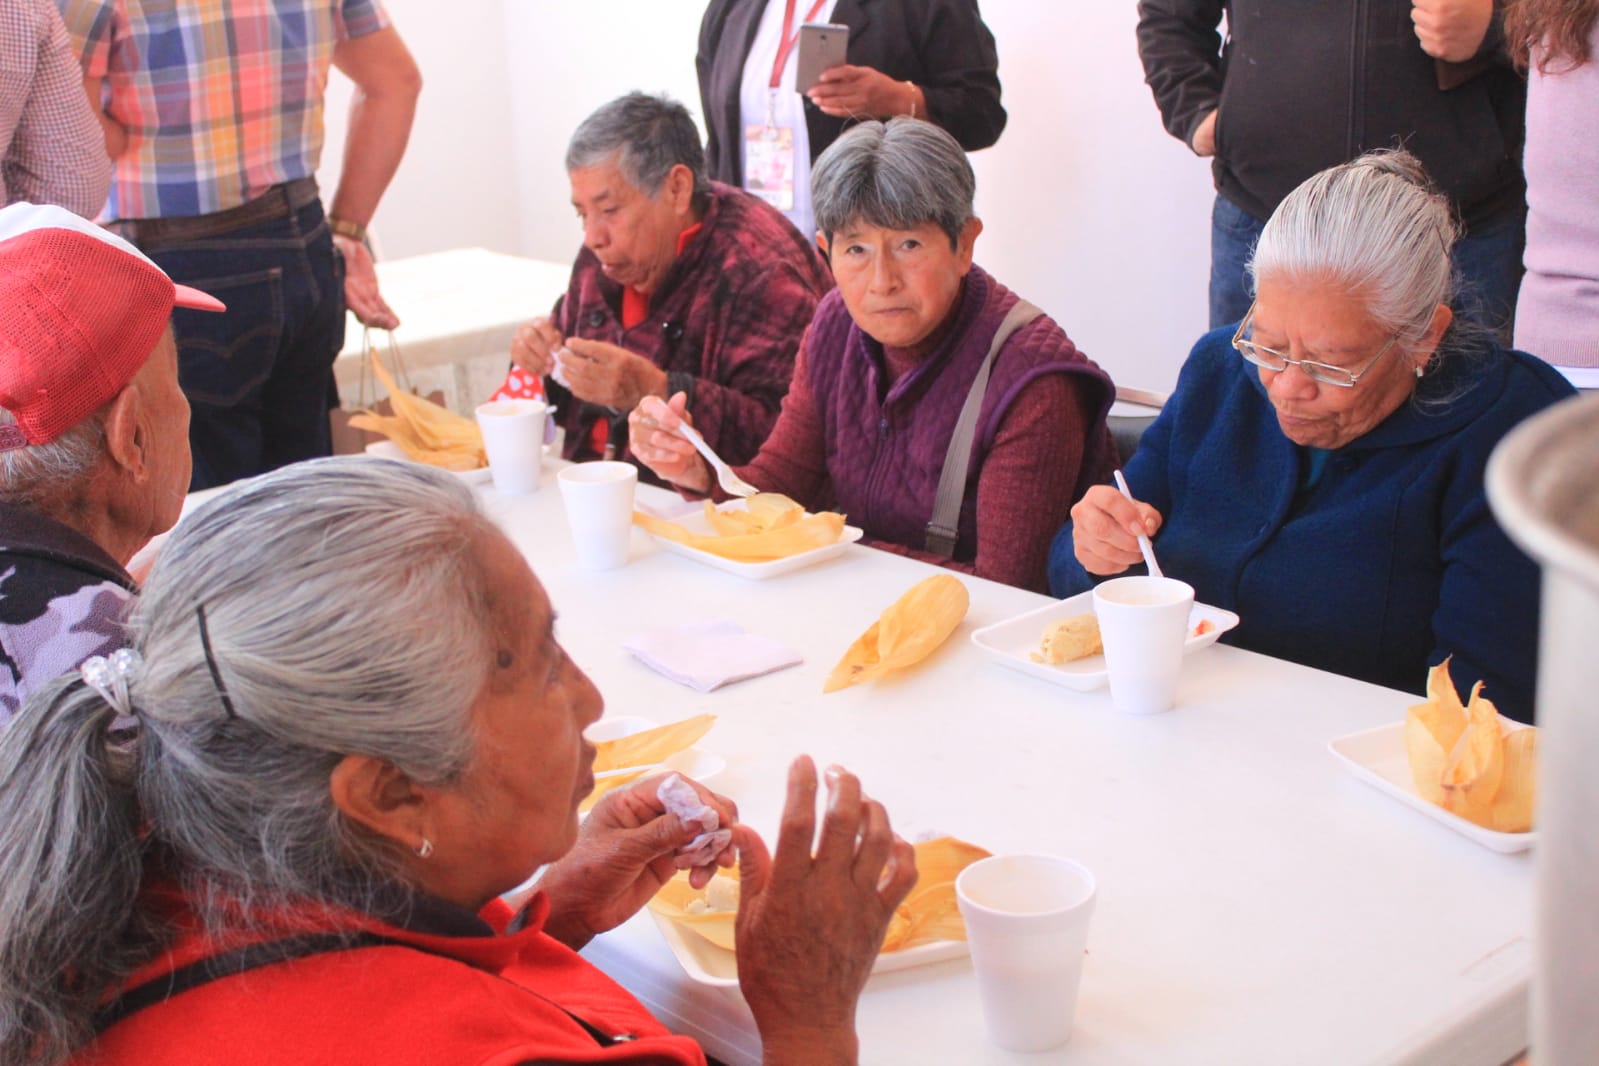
{"x":1257,"y":904}
{"x":454,"y":306}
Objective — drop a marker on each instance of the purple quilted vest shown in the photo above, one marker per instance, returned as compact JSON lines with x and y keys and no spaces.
{"x":884,"y":454}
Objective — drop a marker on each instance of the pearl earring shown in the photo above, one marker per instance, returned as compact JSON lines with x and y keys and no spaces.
{"x":424,"y":849}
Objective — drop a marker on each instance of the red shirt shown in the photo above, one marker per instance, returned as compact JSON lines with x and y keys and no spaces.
{"x":724,"y":323}
{"x":457,"y":990}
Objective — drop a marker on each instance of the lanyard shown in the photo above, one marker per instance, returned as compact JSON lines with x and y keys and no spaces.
{"x":790,"y":37}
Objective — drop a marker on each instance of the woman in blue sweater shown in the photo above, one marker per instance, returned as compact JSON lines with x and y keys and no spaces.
{"x":1319,"y":470}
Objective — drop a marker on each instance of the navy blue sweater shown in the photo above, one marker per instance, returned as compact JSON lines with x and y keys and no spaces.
{"x":1391,"y":561}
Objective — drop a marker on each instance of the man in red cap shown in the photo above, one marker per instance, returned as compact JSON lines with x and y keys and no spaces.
{"x":94,"y":436}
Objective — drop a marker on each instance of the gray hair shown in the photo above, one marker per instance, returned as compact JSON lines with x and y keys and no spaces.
{"x":345,"y":606}
{"x":1377,"y":227}
{"x":897,"y":175}
{"x":648,"y":136}
{"x":45,"y":477}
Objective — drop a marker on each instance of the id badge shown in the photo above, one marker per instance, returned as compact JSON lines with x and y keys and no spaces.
{"x":769,"y":164}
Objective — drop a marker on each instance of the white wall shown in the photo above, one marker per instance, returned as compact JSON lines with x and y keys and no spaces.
{"x":574,"y":57}
{"x":458,"y":183}
{"x":1091,"y":211}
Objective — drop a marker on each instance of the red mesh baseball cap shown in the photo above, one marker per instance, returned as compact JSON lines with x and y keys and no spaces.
{"x":80,"y":312}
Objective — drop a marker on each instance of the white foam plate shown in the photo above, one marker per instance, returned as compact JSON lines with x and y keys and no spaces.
{"x":387,"y":449}
{"x":1377,"y":757}
{"x":708,"y":964}
{"x":1011,"y":642}
{"x":695,"y":523}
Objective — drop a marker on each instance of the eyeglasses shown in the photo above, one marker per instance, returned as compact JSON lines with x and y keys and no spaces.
{"x":1276,"y":361}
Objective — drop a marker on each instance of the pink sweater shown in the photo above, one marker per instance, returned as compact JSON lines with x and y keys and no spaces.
{"x":1557,"y":314}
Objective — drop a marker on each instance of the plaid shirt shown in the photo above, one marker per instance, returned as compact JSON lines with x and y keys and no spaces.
{"x":724,"y":324}
{"x":52,"y":150}
{"x":222,"y":99}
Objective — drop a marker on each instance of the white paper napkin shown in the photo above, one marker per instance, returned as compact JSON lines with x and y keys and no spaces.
{"x":708,"y":654}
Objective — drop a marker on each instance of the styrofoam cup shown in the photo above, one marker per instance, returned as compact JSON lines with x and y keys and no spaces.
{"x":1027,"y":925}
{"x":599,"y":509}
{"x":513,"y":438}
{"x":1143,"y":622}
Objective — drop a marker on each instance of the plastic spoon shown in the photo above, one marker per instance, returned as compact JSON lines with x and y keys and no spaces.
{"x":1143,"y":541}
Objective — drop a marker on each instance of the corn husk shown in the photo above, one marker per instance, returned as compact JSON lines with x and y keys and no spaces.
{"x":1517,"y":801}
{"x":1476,"y":767}
{"x":774,"y":527}
{"x":608,"y":784}
{"x":641,"y":753}
{"x":1466,"y":760}
{"x":1432,"y":730}
{"x":761,"y":513}
{"x":424,"y":431}
{"x":907,"y":632}
{"x":650,"y":746}
{"x":929,"y":913}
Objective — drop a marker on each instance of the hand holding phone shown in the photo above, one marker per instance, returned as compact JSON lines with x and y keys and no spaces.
{"x":821,"y":45}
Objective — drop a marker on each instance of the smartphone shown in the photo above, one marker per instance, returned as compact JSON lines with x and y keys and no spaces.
{"x":821,"y":45}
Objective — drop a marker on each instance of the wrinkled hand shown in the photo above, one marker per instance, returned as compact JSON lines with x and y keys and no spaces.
{"x":533,"y":346}
{"x":361,"y":293}
{"x":809,"y":928}
{"x":609,"y":375}
{"x":847,"y":91}
{"x":1451,"y":30}
{"x":625,"y":851}
{"x":1105,"y":528}
{"x":653,"y":440}
{"x":1205,"y":136}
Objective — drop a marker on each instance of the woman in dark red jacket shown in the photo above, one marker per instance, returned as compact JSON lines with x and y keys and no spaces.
{"x":892,"y":357}
{"x":278,"y":828}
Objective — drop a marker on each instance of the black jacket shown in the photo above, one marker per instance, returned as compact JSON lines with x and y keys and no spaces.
{"x":941,"y":45}
{"x":1302,"y":85}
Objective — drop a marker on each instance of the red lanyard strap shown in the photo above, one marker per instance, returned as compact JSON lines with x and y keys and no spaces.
{"x":790,"y":36}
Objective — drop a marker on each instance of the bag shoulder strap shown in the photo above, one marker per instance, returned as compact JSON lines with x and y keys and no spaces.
{"x":943,"y":530}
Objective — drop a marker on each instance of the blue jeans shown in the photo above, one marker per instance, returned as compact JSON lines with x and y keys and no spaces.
{"x":1233,"y":233}
{"x":259,"y":377}
{"x":1487,"y":266}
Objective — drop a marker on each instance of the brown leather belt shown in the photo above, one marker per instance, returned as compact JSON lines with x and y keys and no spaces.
{"x":276,"y":203}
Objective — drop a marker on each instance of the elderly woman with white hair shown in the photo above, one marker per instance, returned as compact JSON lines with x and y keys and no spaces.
{"x":278,"y":828}
{"x":1319,"y":468}
{"x":946,"y":416}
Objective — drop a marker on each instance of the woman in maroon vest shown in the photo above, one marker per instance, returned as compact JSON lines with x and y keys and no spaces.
{"x":890,"y":360}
